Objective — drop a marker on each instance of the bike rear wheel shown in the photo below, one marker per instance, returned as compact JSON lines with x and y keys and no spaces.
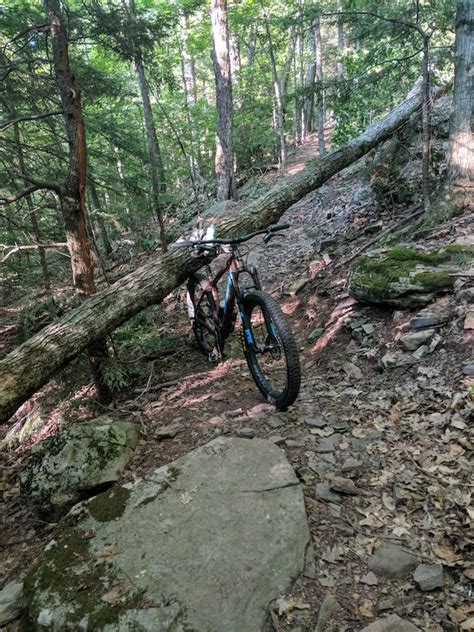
{"x":205,"y":328}
{"x":270,"y":350}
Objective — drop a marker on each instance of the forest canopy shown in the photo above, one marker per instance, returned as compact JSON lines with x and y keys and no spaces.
{"x":368,"y":55}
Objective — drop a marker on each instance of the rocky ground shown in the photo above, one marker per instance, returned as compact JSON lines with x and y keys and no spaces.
{"x":379,"y":436}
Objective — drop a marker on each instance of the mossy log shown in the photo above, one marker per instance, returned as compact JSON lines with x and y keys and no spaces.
{"x":31,"y":365}
{"x":405,"y":278}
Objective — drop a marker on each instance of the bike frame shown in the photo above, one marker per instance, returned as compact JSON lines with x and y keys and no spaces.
{"x":224,"y":318}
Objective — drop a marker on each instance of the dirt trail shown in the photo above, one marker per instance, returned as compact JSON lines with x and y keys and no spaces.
{"x":392,"y":441}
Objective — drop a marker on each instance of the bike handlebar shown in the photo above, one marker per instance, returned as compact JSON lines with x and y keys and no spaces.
{"x":232,"y":240}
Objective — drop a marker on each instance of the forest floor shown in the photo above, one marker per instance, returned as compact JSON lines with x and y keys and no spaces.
{"x":391,"y":426}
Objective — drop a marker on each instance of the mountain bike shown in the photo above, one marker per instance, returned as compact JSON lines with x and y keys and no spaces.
{"x":268,"y":342}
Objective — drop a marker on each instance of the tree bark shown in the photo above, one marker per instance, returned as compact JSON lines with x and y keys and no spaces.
{"x":29,"y":366}
{"x":224,"y":160}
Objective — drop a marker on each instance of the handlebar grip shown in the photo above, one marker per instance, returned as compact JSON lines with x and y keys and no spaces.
{"x":276,"y":227}
{"x":182,"y":244}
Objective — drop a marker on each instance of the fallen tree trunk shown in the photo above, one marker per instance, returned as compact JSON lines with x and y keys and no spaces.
{"x":31,"y":365}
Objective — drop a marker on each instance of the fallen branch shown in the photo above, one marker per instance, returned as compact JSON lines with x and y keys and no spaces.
{"x":17,"y":248}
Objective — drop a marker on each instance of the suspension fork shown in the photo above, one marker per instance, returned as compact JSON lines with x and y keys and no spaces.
{"x":249,"y":339}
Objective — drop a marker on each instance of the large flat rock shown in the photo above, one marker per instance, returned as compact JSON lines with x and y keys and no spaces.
{"x":203,"y":544}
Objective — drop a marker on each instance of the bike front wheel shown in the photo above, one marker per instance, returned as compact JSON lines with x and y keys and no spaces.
{"x":270,"y":350}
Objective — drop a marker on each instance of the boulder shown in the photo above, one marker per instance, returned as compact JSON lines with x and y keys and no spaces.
{"x":77,"y":463}
{"x":205,"y":543}
{"x":405,"y":278}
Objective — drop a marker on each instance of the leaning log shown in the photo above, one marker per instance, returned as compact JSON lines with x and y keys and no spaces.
{"x":28,"y":367}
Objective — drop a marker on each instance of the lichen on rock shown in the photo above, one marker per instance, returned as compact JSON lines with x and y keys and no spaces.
{"x":76,"y":463}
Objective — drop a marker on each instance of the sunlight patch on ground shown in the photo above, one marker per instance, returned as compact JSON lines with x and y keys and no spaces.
{"x":335,"y":323}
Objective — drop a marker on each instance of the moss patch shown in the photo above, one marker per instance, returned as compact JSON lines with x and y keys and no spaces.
{"x":68,"y":581}
{"x":109,"y":505}
{"x":387,"y":276}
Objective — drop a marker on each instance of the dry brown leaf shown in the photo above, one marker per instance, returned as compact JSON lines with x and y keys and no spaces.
{"x":445,"y":553}
{"x":366,"y":609}
{"x":109,"y":550}
{"x":388,"y":501}
{"x":285,"y":606}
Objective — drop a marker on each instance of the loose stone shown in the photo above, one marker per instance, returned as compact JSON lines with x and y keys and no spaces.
{"x":351,"y":464}
{"x":328,"y":444}
{"x":324,"y":493}
{"x":316,"y":423}
{"x":429,"y":576}
{"x":344,"y":486}
{"x":412,"y":341}
{"x":392,"y":561}
{"x":246,"y":433}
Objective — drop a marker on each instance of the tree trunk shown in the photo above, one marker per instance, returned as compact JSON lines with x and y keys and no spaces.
{"x":29,"y":366}
{"x":425,"y":127}
{"x":319,"y":87}
{"x":224,"y":160}
{"x":154,"y":154}
{"x":190,"y":98}
{"x":100,"y":220}
{"x":457,"y":192}
{"x":121,"y":176}
{"x":461,"y":139}
{"x":279,"y":113}
{"x":188,"y":66}
{"x":302,"y":123}
{"x":73,"y":190}
{"x":340,"y":46}
{"x":72,"y":195}
{"x":34,"y":221}
{"x":308,"y":101}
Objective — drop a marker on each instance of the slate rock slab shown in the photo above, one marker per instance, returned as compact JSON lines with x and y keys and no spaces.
{"x":391,"y":624}
{"x":76,"y":463}
{"x":392,"y":561}
{"x":205,"y":543}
